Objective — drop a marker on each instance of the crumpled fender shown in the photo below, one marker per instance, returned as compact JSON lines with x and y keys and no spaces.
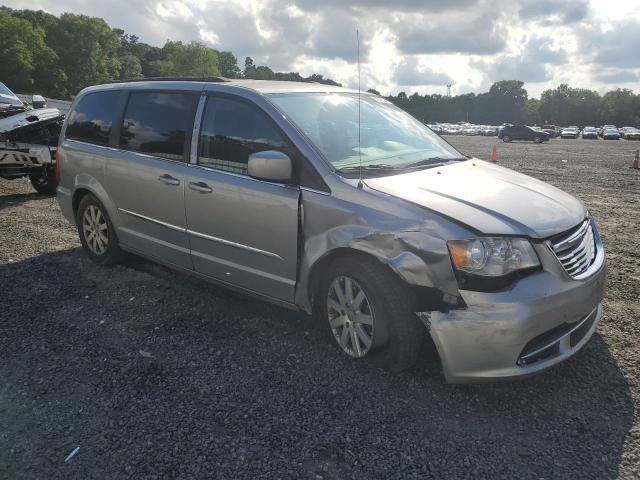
{"x":419,"y":258}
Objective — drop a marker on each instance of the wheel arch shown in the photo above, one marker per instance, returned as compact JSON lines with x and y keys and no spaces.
{"x":85,"y":184}
{"x":428,"y":298}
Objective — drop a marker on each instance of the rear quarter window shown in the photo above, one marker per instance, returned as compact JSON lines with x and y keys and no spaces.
{"x":93,"y":117}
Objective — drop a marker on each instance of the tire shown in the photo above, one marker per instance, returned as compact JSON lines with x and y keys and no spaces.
{"x":537,"y":140}
{"x":396,"y":333}
{"x":44,"y":181}
{"x":99,"y":251}
{"x":506,"y":139}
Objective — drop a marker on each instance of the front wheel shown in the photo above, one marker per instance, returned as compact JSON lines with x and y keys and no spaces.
{"x":44,"y":181}
{"x":537,"y":140}
{"x":506,"y":139}
{"x":371,"y":313}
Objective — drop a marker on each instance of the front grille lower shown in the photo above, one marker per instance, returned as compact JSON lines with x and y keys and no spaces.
{"x":576,"y":250}
{"x":556,"y":341}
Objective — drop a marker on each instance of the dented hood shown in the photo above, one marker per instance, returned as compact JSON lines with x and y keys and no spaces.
{"x":487,"y":198}
{"x":27,"y":118}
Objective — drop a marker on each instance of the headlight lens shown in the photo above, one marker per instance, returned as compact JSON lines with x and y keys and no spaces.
{"x":492,"y":256}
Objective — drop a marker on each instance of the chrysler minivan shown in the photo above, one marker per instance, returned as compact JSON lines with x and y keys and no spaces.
{"x":339,"y":204}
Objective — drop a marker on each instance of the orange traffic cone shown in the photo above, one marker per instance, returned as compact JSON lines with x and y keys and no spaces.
{"x":636,"y":161}
{"x":494,"y":155}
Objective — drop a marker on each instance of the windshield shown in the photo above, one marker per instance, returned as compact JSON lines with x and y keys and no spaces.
{"x":389,"y":137}
{"x":7,"y":96}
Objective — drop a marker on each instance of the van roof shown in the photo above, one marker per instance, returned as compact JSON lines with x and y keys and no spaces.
{"x":260,"y":86}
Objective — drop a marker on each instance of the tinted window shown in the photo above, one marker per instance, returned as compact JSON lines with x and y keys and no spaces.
{"x":159,"y":124}
{"x":92,"y":119}
{"x":231,"y":131}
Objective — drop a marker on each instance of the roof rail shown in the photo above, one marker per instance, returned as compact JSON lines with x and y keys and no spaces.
{"x":173,"y":79}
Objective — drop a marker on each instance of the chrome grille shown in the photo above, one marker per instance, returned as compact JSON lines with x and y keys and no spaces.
{"x":576,"y":251}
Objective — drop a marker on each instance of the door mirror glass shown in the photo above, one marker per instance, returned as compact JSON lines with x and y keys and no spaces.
{"x":270,"y":165}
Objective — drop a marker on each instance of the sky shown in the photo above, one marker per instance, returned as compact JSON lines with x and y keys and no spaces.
{"x":405,"y":45}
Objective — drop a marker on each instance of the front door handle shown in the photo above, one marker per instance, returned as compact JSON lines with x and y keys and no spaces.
{"x":200,"y":187}
{"x":169,"y":180}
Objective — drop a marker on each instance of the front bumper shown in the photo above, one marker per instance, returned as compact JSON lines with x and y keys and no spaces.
{"x":544,"y":319}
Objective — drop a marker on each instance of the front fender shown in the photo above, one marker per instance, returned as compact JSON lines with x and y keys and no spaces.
{"x":417,"y":257}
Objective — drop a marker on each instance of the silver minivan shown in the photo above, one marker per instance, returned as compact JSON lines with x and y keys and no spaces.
{"x":340,"y":204}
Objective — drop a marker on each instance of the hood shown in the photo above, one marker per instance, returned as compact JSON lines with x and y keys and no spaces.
{"x":27,"y":118}
{"x":490,"y":199}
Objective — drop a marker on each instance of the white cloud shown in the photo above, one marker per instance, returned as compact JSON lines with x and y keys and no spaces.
{"x":415,"y":45}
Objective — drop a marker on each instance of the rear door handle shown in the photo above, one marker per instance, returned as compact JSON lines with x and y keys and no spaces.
{"x":169,"y":180}
{"x":200,"y":187}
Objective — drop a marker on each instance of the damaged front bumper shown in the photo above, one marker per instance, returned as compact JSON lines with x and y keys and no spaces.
{"x":544,"y":319}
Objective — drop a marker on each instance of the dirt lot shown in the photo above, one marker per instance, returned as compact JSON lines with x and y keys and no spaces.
{"x":156,"y":375}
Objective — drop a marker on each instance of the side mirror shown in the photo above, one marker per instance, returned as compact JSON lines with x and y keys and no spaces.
{"x":270,"y":165}
{"x":38,"y":101}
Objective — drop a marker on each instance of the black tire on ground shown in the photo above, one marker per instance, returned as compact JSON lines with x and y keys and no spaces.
{"x":112,"y":253}
{"x":44,"y":181}
{"x":537,"y":140}
{"x":506,"y":139}
{"x":398,"y":335}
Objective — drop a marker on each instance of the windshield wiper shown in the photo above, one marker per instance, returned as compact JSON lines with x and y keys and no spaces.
{"x":375,"y":166}
{"x":433,"y":161}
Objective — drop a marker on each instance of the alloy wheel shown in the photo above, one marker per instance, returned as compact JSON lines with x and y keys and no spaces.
{"x":351,"y":316}
{"x":95,"y":230}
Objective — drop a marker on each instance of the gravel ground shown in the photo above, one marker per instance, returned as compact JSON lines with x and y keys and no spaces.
{"x":156,"y":375}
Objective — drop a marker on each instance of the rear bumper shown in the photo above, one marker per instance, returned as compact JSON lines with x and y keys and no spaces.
{"x":544,"y":319}
{"x":65,"y":200}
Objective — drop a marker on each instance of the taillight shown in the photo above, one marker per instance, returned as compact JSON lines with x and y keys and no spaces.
{"x":58,"y":167}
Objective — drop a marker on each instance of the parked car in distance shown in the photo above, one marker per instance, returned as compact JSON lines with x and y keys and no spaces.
{"x":436,"y":128}
{"x":522,"y":132}
{"x":488,"y":131}
{"x":590,"y":133}
{"x":570,"y":132}
{"x":388,"y":233}
{"x":451,"y":130}
{"x":552,"y":130}
{"x":632,"y":133}
{"x":611,"y":134}
{"x":606,"y":127}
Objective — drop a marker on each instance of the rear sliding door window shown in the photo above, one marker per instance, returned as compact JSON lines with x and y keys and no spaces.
{"x":231,"y":131}
{"x":93,"y":117}
{"x":159,"y":124}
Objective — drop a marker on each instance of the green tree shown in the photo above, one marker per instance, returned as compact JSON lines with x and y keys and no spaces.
{"x":228,"y":64}
{"x":193,"y":59}
{"x":130,"y":67}
{"x":86,"y":49}
{"x":532,"y":112}
{"x":621,"y":107}
{"x":27,"y":64}
{"x":509,"y":100}
{"x":248,"y":66}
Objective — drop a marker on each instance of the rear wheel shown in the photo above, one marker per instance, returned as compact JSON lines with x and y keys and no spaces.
{"x":371,"y":313}
{"x":96,"y":231}
{"x":506,"y":139}
{"x":537,"y":140}
{"x":44,"y":181}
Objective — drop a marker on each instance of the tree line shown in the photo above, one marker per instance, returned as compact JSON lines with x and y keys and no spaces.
{"x":507,"y":101}
{"x":58,"y":56}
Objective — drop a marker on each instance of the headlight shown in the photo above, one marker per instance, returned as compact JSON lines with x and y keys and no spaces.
{"x":492,"y":256}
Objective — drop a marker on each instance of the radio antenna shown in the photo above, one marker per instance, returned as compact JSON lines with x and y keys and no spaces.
{"x":359,"y":90}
